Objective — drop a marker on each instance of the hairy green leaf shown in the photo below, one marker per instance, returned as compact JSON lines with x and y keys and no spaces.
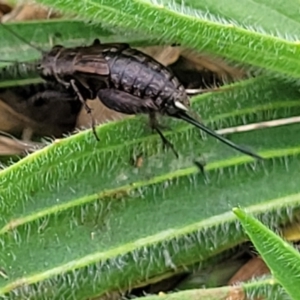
{"x":204,"y":28}
{"x":282,"y":259}
{"x":44,"y":34}
{"x":265,"y":289}
{"x":82,"y":209}
{"x":79,"y":213}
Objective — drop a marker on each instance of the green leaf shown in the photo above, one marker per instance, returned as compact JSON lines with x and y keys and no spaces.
{"x":282,"y":259}
{"x":47,"y":33}
{"x":82,"y":209}
{"x":248,"y":15}
{"x":265,"y":289}
{"x":206,"y":30}
{"x":78,"y":213}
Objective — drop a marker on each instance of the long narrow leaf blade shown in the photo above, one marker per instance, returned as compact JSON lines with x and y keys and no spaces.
{"x":204,"y":30}
{"x":282,"y":259}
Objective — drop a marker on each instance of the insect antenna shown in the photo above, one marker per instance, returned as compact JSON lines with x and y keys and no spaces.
{"x":22,"y":39}
{"x":184,"y":116}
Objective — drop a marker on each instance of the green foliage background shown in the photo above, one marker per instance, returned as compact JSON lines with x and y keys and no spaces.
{"x":78,"y":214}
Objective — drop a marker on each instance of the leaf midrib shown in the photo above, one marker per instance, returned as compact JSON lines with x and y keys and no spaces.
{"x":162,"y":236}
{"x":237,"y":47}
{"x":139,"y":184}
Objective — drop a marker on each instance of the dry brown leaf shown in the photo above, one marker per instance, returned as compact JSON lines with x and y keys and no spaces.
{"x":101,"y":114}
{"x":255,"y":267}
{"x":11,"y":121}
{"x":292,"y":232}
{"x":27,"y":10}
{"x":236,"y":293}
{"x":12,"y":146}
{"x":4,"y":8}
{"x":166,"y":55}
{"x":49,"y":118}
{"x":200,"y":61}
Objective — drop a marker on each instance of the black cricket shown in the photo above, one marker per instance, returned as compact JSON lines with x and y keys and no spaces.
{"x":125,"y":80}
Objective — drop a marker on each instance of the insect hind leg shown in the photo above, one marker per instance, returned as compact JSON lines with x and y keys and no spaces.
{"x":126,"y":103}
{"x":156,"y":126}
{"x":87,"y":108}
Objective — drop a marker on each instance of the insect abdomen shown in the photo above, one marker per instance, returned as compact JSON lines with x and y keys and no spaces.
{"x":138,"y":74}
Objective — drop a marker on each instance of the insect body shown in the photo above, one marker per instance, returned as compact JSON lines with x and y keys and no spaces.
{"x":116,"y":69}
{"x":125,"y":80}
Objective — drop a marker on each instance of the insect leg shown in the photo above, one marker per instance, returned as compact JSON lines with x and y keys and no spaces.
{"x":129,"y":104}
{"x":87,"y":108}
{"x":126,"y":103}
{"x":155,"y":126}
{"x":201,"y":167}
